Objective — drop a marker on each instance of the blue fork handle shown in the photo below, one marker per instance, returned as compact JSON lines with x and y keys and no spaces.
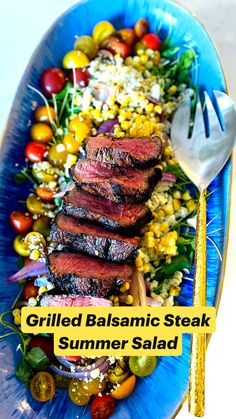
{"x":198,"y":344}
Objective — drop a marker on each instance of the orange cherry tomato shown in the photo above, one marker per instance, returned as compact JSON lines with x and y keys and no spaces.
{"x":29,"y":290}
{"x":102,"y":407}
{"x":70,"y":143}
{"x":125,"y":388}
{"x":41,"y":132}
{"x":44,"y":193}
{"x":34,"y":151}
{"x":44,"y":114}
{"x":128,"y":35}
{"x":141,"y":28}
{"x":21,"y":221}
{"x":42,"y":386}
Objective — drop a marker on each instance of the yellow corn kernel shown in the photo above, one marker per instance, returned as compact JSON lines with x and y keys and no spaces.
{"x":17,"y":320}
{"x":156,"y":263}
{"x":173,"y":161}
{"x":158,"y":109}
{"x":116,"y":299}
{"x":168,"y":151}
{"x":171,"y":250}
{"x":169,"y":210}
{"x":177,"y":194}
{"x":111,"y":298}
{"x":173,"y":235}
{"x":149,"y":234}
{"x":150,"y":242}
{"x":175,"y":290}
{"x":125,"y":102}
{"x":116,"y":304}
{"x":164,"y":226}
{"x":125,"y":125}
{"x":149,"y":108}
{"x":171,"y":241}
{"x":139,"y":262}
{"x":16,"y":312}
{"x":156,"y":58}
{"x":125,"y":287}
{"x":159,"y":214}
{"x":71,"y":159}
{"x":146,"y":267}
{"x":176,"y":204}
{"x":186,"y":196}
{"x":191,"y":205}
{"x":143,"y":58}
{"x":42,"y":289}
{"x":129,"y":299}
{"x":172,"y":90}
{"x":34,"y":255}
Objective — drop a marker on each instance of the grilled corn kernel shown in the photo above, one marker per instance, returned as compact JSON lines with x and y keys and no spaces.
{"x":149,"y":234}
{"x":149,"y":108}
{"x":175,"y":290}
{"x":34,"y":255}
{"x":129,"y":299}
{"x":159,"y":214}
{"x":146,"y":267}
{"x":169,"y":210}
{"x":150,"y":242}
{"x":125,"y":125}
{"x":191,"y":205}
{"x":171,"y":250}
{"x":177,"y":194}
{"x":168,"y":151}
{"x":139,"y":262}
{"x":173,"y":235}
{"x":158,"y":109}
{"x":172,"y":90}
{"x":186,"y":196}
{"x":111,"y":298}
{"x":164,"y":226}
{"x":176,"y":204}
{"x":125,"y":287}
{"x":116,"y":299}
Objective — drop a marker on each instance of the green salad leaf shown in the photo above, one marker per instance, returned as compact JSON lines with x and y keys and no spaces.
{"x":24,"y":372}
{"x":37,"y":359}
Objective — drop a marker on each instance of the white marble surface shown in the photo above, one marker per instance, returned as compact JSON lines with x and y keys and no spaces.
{"x":22,"y":23}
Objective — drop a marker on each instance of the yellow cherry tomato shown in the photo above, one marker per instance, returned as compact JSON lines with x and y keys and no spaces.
{"x":57,"y":155}
{"x":42,"y":225}
{"x":75,"y":59}
{"x":20,"y":246}
{"x":42,"y":386}
{"x":87,"y":45}
{"x":44,"y":175}
{"x":76,"y":394}
{"x":35,"y":205}
{"x":125,"y":389}
{"x":102,"y":30}
{"x":93,"y":387}
{"x":82,"y":132}
{"x":44,"y":114}
{"x":70,"y":143}
{"x":35,"y":238}
{"x":41,"y":132}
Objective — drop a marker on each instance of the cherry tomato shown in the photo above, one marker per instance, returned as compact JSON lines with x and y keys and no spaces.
{"x":116,"y":46}
{"x":44,"y":343}
{"x":35,"y":238}
{"x":69,"y":141}
{"x":73,"y":358}
{"x":128,"y":36}
{"x":87,"y":45}
{"x":44,"y":193}
{"x":141,"y":27}
{"x":29,"y":290}
{"x":75,"y":59}
{"x":42,"y":386}
{"x":34,"y":151}
{"x":52,"y":80}
{"x":93,"y":387}
{"x":20,"y":246}
{"x":125,"y":388}
{"x":102,"y":407}
{"x":76,"y":395}
{"x":61,"y":381}
{"x":44,"y":114}
{"x":35,"y":205}
{"x":102,"y":30}
{"x":57,"y":155}
{"x":151,"y":41}
{"x":21,"y":221}
{"x":82,"y":76}
{"x":142,"y":365}
{"x":42,"y":225}
{"x":41,"y":132}
{"x":44,"y":175}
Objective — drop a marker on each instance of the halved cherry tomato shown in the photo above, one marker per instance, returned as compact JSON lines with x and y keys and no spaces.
{"x":76,"y":394}
{"x":44,"y":114}
{"x":42,"y":225}
{"x":21,"y":221}
{"x":44,"y":343}
{"x":102,"y":30}
{"x":42,"y":386}
{"x":20,"y":246}
{"x":61,"y":381}
{"x":142,"y":365}
{"x":34,"y":151}
{"x":69,"y":141}
{"x":116,"y":46}
{"x":141,"y":28}
{"x":151,"y":41}
{"x":87,"y":45}
{"x":44,"y":193}
{"x":125,"y":388}
{"x":29,"y":290}
{"x":35,"y":205}
{"x":102,"y":407}
{"x":41,"y":132}
{"x":81,"y":78}
{"x":128,"y":35}
{"x":52,"y":80}
{"x":93,"y":387}
{"x":57,"y":155}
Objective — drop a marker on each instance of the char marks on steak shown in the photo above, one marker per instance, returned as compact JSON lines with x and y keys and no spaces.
{"x":130,"y":185}
{"x":94,"y":240}
{"x":124,"y":152}
{"x":79,"y":274}
{"x":55,"y":299}
{"x":83,"y":205}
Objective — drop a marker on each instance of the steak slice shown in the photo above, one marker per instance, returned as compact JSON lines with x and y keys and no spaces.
{"x":124,"y":152}
{"x":130,"y":185}
{"x":94,"y":240}
{"x":85,"y":206}
{"x":55,"y":299}
{"x":79,"y":274}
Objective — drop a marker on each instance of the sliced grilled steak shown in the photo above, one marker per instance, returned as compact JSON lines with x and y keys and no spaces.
{"x":130,"y":185}
{"x":70,"y":300}
{"x":78,"y":274}
{"x":124,"y":152}
{"x":94,"y":240}
{"x":83,"y":205}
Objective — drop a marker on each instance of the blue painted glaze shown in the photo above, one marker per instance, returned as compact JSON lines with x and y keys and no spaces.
{"x":159,"y":395}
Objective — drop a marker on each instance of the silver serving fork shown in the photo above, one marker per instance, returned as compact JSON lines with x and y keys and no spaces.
{"x":202,"y":157}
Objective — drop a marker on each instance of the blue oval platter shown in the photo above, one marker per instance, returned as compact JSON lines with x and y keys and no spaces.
{"x":159,"y":395}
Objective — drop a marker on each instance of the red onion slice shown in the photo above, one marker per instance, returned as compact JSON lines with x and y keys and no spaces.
{"x":76,"y":368}
{"x":152,"y":100}
{"x":101,"y":92}
{"x":68,"y":188}
{"x":107,"y":126}
{"x":168,"y":178}
{"x":80,"y":374}
{"x":33,"y":268}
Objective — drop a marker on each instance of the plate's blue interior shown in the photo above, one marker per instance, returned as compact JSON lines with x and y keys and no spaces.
{"x":159,"y":395}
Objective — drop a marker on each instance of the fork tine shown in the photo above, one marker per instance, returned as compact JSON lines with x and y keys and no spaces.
{"x":181,"y":120}
{"x":199,"y":125}
{"x":213,"y":120}
{"x":226,"y":109}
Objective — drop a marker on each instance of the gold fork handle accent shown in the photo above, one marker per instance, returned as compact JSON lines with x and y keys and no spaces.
{"x":198,"y":345}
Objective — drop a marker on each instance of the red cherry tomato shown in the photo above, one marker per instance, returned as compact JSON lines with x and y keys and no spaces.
{"x":21,"y":221}
{"x":151,"y":41}
{"x":102,"y":407}
{"x":34,"y":151}
{"x":73,"y":358}
{"x":52,"y":80}
{"x":44,"y":343}
{"x":82,"y":76}
{"x":29,"y":290}
{"x":116,"y":46}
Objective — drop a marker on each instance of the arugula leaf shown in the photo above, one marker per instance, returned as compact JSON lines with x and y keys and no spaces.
{"x":37,"y":359}
{"x":23,"y":371}
{"x":20,"y":177}
{"x":170,"y":52}
{"x":178,"y":263}
{"x":186,"y":59}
